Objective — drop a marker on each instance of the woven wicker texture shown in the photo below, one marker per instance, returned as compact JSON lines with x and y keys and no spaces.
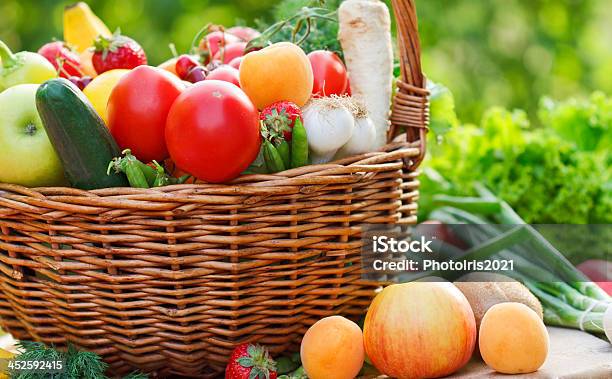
{"x":170,"y":280}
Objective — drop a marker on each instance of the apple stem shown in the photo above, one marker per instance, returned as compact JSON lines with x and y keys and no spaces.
{"x":6,"y":55}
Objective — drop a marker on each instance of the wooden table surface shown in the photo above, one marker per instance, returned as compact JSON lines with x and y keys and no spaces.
{"x":573,"y":355}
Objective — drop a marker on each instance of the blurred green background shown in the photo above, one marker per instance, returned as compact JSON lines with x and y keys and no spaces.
{"x":494,"y":52}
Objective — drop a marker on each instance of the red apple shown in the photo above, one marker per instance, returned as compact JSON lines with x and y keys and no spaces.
{"x":67,"y":62}
{"x":419,"y":330}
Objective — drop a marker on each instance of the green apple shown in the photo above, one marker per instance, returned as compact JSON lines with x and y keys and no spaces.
{"x":23,"y":67}
{"x":26,"y":155}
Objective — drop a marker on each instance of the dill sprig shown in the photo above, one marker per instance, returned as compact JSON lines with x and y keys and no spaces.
{"x":79,"y":364}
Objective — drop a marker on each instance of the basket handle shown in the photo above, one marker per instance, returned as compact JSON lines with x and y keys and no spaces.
{"x":410,"y":110}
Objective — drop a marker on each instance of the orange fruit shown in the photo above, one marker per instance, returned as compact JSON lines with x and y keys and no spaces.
{"x":277,"y":72}
{"x":332,"y":348}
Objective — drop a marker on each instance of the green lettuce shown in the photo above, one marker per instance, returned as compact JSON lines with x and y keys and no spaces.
{"x":585,"y":122}
{"x":559,"y":172}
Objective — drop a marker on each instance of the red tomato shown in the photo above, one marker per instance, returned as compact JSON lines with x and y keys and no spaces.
{"x":330,"y":77}
{"x":225,"y":73}
{"x":231,"y":51}
{"x":348,"y":90}
{"x":212,"y":131}
{"x":235,"y":63}
{"x":137,"y":110}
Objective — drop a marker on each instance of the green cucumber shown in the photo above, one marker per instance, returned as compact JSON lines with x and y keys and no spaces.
{"x":79,"y":136}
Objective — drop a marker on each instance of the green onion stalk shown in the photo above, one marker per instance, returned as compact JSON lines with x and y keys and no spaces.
{"x":569,"y":299}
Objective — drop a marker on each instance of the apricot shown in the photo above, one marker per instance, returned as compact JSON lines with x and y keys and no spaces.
{"x":513,"y":339}
{"x":277,"y":72}
{"x":332,"y":348}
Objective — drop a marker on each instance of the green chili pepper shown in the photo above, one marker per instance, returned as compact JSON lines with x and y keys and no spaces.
{"x":161,"y":181}
{"x":273,"y":158}
{"x":161,"y":178}
{"x":283,"y":149}
{"x":182,"y":179}
{"x":299,"y":145}
{"x":149,"y":172}
{"x":140,"y":175}
{"x":114,"y":165}
{"x":134,"y":173}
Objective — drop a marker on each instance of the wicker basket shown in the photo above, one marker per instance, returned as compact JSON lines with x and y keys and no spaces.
{"x":169,"y":280}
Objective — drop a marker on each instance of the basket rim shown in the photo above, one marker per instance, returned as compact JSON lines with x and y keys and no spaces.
{"x":361,"y":164}
{"x":52,"y":203}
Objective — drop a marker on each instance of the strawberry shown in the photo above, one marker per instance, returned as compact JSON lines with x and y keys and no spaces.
{"x":280,"y":118}
{"x":250,"y":362}
{"x":117,"y":51}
